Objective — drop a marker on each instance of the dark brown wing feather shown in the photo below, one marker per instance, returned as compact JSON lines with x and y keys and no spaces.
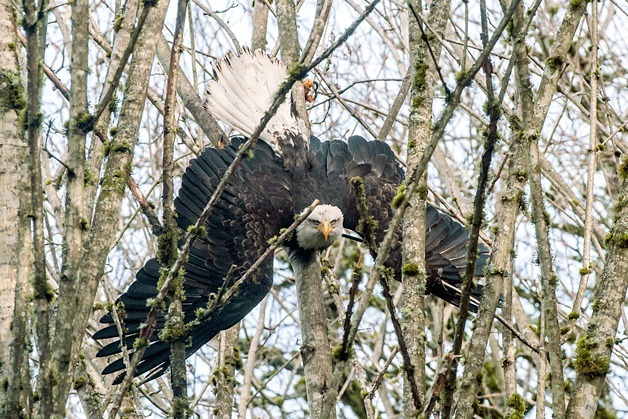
{"x":256,"y":204}
{"x":336,"y":162}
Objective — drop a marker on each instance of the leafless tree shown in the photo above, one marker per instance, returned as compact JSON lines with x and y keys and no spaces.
{"x":509,"y":115}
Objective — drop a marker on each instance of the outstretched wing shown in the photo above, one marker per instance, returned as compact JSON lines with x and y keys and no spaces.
{"x":336,"y":162}
{"x":446,"y":247}
{"x":253,"y":208}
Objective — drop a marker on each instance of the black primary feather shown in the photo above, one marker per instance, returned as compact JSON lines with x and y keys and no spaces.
{"x":260,"y":199}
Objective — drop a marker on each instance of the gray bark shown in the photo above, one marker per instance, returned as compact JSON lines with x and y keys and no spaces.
{"x":16,"y":244}
{"x":76,"y":219}
{"x":315,"y":350}
{"x":423,"y":71}
{"x":12,"y":147}
{"x":592,"y":357}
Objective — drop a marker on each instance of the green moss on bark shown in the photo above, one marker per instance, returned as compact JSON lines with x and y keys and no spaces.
{"x":518,"y":407}
{"x":576,"y":4}
{"x":401,"y":195}
{"x":12,"y":94}
{"x":617,"y":238}
{"x":623,"y":168}
{"x":419,"y":84}
{"x":411,"y":269}
{"x":555,"y":63}
{"x":589,"y":362}
{"x":367,"y":224}
{"x":84,"y":122}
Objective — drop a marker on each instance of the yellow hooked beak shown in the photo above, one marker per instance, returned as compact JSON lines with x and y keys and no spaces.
{"x":325,"y":227}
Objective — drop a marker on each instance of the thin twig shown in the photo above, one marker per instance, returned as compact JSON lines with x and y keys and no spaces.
{"x":585,"y":271}
{"x":482,"y":329}
{"x":145,"y":206}
{"x":357,"y":274}
{"x":429,"y":47}
{"x":345,"y":105}
{"x":438,"y":385}
{"x":168,"y":246}
{"x":380,"y":376}
{"x":407,"y":362}
{"x":501,"y":319}
{"x":106,"y":98}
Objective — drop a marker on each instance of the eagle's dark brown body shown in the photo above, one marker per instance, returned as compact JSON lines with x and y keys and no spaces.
{"x":286,"y":172}
{"x":261,"y":199}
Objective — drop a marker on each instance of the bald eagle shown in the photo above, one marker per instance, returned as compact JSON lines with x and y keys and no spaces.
{"x":285,"y":172}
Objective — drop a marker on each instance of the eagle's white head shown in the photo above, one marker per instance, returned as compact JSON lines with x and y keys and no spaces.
{"x":321,"y":229}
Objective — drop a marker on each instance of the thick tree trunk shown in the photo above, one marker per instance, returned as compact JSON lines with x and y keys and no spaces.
{"x":16,"y":243}
{"x":424,"y":76}
{"x":228,"y":359}
{"x":12,"y":148}
{"x":315,"y":350}
{"x":592,"y":358}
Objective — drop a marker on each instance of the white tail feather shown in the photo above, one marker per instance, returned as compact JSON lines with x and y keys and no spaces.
{"x":242,"y":91}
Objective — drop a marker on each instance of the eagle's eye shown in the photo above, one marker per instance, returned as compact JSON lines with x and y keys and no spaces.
{"x":333,"y":222}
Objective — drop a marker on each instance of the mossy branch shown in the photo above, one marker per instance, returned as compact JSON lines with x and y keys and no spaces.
{"x":367,"y":224}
